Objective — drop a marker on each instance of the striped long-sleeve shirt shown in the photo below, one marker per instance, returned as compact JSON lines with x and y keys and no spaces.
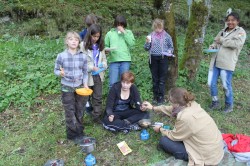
{"x":75,"y":68}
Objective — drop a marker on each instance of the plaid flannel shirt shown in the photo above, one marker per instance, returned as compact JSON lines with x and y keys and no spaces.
{"x":75,"y":68}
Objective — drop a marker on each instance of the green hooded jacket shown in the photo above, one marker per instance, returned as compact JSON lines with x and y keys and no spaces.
{"x":120,"y":43}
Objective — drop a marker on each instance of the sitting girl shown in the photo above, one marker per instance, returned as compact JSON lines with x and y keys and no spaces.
{"x":123,"y":106}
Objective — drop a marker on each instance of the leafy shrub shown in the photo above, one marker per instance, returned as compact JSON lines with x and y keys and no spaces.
{"x":27,"y":70}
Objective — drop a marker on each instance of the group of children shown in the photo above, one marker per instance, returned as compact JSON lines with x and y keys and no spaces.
{"x":84,"y":62}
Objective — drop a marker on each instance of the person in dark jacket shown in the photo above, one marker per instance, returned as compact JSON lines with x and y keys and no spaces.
{"x":89,"y":20}
{"x":123,"y":108}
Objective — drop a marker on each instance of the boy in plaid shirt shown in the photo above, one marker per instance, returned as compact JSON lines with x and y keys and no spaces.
{"x":71,"y":65}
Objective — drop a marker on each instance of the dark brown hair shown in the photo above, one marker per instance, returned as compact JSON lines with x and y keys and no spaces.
{"x":128,"y":77}
{"x":233,"y":14}
{"x":120,"y":20}
{"x":94,"y":29}
{"x":180,"y":96}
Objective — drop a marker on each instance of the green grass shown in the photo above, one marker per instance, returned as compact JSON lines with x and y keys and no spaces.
{"x":32,"y":128}
{"x":37,"y":134}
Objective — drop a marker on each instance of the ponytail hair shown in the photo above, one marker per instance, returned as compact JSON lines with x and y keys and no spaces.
{"x":180,"y":96}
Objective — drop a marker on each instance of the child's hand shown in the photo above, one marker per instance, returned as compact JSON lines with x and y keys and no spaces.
{"x":111,"y":118}
{"x":85,"y":85}
{"x":157,"y":128}
{"x":217,"y":40}
{"x":62,"y":73}
{"x":95,"y":68}
{"x":147,"y":105}
{"x":121,"y":29}
{"x":148,"y":39}
{"x":211,"y":47}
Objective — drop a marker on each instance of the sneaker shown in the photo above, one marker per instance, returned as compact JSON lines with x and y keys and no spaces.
{"x":215,"y":105}
{"x":134,"y":127}
{"x":228,"y":108}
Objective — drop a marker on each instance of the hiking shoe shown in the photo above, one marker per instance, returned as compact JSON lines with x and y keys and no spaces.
{"x":215,"y":105}
{"x":134,"y":127}
{"x":160,"y":100}
{"x":228,"y":108}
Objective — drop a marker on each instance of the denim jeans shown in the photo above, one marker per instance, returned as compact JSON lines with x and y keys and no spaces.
{"x":226,"y":79}
{"x":116,"y":69}
{"x":175,"y":148}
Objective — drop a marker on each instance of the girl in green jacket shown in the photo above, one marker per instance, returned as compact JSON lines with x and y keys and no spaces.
{"x":118,"y":41}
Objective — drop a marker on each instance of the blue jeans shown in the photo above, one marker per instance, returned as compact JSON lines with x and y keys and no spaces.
{"x":175,"y":148}
{"x":226,"y":79}
{"x":116,"y":69}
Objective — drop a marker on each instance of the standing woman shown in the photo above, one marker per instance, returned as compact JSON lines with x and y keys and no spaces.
{"x":229,"y":41}
{"x":159,"y":44}
{"x":121,"y":40}
{"x":195,"y":137}
{"x":93,"y":47}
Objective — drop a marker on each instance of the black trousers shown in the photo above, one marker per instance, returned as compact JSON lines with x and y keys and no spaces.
{"x":159,"y":68}
{"x":74,"y":111}
{"x":132,"y":115}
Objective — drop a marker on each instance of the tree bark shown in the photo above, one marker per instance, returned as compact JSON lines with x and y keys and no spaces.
{"x":166,"y":12}
{"x":194,"y":38}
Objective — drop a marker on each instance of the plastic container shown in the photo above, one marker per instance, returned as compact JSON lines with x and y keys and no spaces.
{"x":90,"y":160}
{"x":166,"y":127}
{"x":84,"y":91}
{"x":211,"y":50}
{"x":144,"y":135}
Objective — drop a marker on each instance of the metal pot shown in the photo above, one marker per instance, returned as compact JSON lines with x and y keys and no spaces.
{"x":145,"y":123}
{"x":88,"y":144}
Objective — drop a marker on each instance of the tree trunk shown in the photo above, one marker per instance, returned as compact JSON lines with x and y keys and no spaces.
{"x":194,"y":38}
{"x":166,"y":12}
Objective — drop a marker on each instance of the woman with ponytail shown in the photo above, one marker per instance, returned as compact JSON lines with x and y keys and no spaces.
{"x":195,"y":137}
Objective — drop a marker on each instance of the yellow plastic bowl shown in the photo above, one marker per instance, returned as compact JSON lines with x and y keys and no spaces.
{"x":84,"y":91}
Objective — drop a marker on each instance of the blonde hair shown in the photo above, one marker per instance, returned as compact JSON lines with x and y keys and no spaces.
{"x":72,"y":34}
{"x":158,"y":23}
